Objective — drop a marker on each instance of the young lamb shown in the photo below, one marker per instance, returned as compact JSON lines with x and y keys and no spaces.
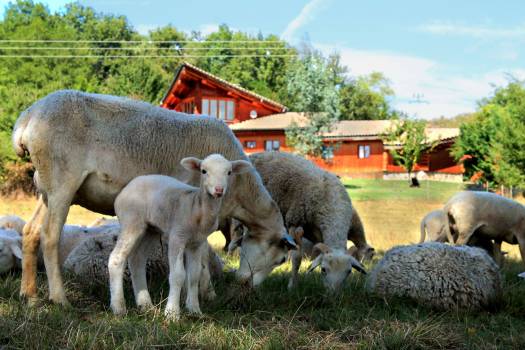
{"x":438,"y":275}
{"x":435,"y":228}
{"x":489,"y":216}
{"x":187,"y":214}
{"x":10,"y":249}
{"x":12,"y":222}
{"x":317,"y":202}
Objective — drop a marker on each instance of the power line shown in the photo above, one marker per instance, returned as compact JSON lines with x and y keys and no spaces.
{"x":145,"y":56}
{"x":140,"y":41}
{"x":141,"y":48}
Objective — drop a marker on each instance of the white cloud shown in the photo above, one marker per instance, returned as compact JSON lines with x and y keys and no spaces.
{"x":441,"y":91}
{"x":481,"y":32}
{"x":207,"y":29}
{"x":306,"y":15}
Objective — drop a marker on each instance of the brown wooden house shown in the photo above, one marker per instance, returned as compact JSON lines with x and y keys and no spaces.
{"x":354,"y":148}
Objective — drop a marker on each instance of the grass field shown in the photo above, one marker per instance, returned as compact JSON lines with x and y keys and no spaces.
{"x":272,"y":317}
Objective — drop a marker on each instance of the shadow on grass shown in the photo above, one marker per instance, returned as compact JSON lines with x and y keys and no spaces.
{"x":351,"y":187}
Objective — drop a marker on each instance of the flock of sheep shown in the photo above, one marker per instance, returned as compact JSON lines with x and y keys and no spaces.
{"x":173,"y":179}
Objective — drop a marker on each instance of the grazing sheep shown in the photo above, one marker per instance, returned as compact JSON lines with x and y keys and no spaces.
{"x":186,"y":214}
{"x":315,"y":201}
{"x":87,"y":147}
{"x":439,"y":275}
{"x":435,"y":228}
{"x":361,"y":250}
{"x":10,"y":249}
{"x":12,"y":222}
{"x":489,"y":216}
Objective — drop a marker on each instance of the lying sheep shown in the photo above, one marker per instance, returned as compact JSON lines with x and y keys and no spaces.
{"x":186,"y":214}
{"x":89,"y":260}
{"x":435,"y":228}
{"x":10,"y":249}
{"x":316,"y":202}
{"x":103,"y":222}
{"x":486,"y":215}
{"x":439,"y":275}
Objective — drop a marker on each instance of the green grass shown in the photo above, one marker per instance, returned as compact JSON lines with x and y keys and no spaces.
{"x":376,"y":189}
{"x":273,"y":317}
{"x":269,"y":318}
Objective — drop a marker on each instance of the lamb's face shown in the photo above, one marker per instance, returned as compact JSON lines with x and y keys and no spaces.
{"x":216,"y":172}
{"x":335,"y":266}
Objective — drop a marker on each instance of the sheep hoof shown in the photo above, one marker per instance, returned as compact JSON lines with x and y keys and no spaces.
{"x":32,"y":301}
{"x":172,"y":315}
{"x":62,"y":301}
{"x":118,"y":310}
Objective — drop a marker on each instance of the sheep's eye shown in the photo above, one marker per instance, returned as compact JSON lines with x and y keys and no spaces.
{"x":323,"y":271}
{"x":229,"y":173}
{"x":203,"y":171}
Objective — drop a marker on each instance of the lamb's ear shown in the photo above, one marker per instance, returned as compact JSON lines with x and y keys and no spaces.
{"x":315,"y":263}
{"x":241,"y":166}
{"x":16,"y":248}
{"x":191,"y":163}
{"x":288,"y":242}
{"x":297,"y":233}
{"x":321,"y":248}
{"x":236,"y":243}
{"x":357,"y":265}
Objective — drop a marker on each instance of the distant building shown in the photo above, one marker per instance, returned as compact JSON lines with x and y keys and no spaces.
{"x":354,"y":148}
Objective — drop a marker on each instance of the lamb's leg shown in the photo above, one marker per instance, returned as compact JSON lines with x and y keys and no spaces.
{"x":496,"y":252}
{"x":521,"y":242}
{"x":206,"y":290}
{"x":137,"y":262}
{"x":127,"y":241}
{"x":30,"y":245}
{"x":194,"y":269}
{"x":177,"y":276}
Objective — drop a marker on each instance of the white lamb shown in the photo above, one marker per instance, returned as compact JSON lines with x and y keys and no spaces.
{"x":12,"y":222}
{"x":439,"y":275}
{"x":187,"y":214}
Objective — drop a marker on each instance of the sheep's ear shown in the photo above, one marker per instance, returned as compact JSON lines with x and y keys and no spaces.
{"x":352,"y":251}
{"x":236,"y":243}
{"x":357,"y":265}
{"x":315,"y":263}
{"x":16,"y":248}
{"x":241,"y":166}
{"x":191,"y":163}
{"x":297,"y":233}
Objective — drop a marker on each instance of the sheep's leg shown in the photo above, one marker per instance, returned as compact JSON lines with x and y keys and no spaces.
{"x":194,"y":266}
{"x":496,"y":252}
{"x":206,"y":290}
{"x":30,"y":245}
{"x":521,"y":242}
{"x":137,"y":262}
{"x":176,"y":278}
{"x":58,"y":208}
{"x":297,"y":256}
{"x":127,"y":242}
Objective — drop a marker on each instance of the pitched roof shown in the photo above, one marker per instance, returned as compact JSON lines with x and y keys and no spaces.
{"x":215,"y":78}
{"x":365,"y":129}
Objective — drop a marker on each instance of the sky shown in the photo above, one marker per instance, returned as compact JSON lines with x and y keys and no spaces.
{"x":441,"y":57}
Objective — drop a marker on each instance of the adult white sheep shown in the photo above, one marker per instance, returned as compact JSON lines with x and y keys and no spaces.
{"x":188,"y":215}
{"x":435,"y":228}
{"x":438,"y":275}
{"x":489,"y":216}
{"x":316,"y":201}
{"x":87,"y":147}
{"x":10,"y":249}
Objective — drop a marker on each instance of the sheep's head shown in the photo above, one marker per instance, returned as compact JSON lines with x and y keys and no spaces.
{"x":363,"y":254}
{"x":216,"y":172}
{"x":10,"y":251}
{"x":336,"y":266}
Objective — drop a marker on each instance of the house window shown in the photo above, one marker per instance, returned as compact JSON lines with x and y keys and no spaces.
{"x":250,"y":144}
{"x":223,"y":109}
{"x":327,"y":152}
{"x":188,"y":106}
{"x":364,"y":151}
{"x":272,"y":145}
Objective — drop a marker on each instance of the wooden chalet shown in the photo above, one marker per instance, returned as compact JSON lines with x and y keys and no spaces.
{"x":354,"y":148}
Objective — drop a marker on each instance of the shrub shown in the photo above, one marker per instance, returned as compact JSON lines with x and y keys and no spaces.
{"x":16,"y":180}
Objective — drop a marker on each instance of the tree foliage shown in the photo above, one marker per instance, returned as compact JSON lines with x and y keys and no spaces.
{"x":410,"y":142}
{"x":311,"y":87}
